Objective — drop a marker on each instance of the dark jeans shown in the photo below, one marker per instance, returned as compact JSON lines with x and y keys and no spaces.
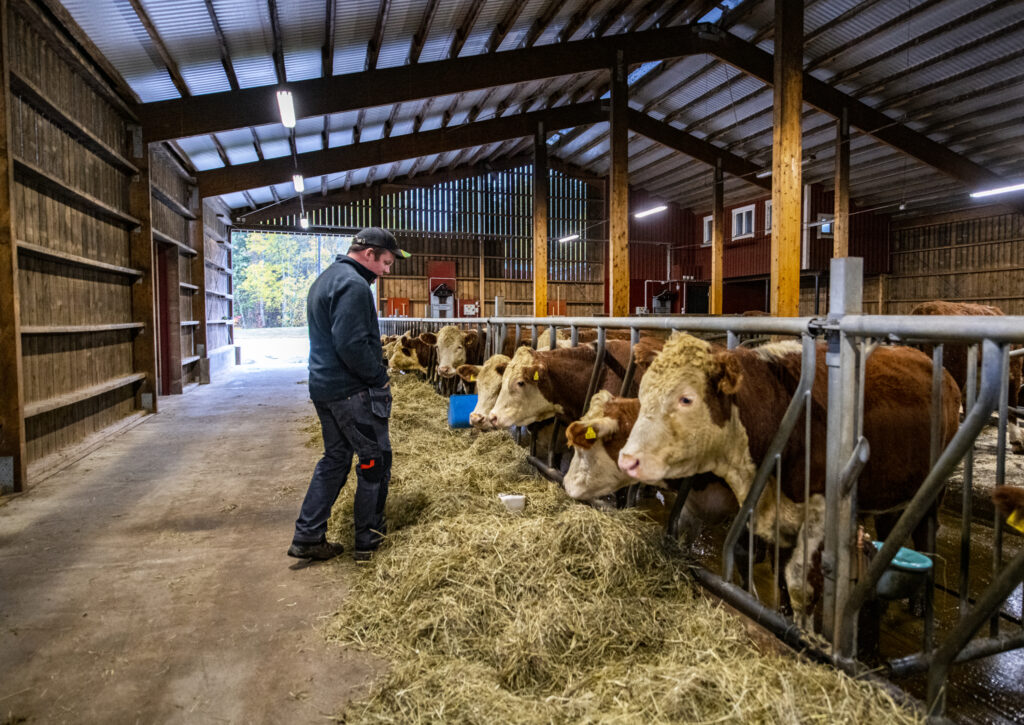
{"x":358,"y":424}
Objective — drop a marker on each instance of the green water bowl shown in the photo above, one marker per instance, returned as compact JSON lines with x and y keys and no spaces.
{"x":905,"y":574}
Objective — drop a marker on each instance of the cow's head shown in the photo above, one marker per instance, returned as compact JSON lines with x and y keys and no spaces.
{"x":412,"y":353}
{"x":521,"y":399}
{"x":686,"y":404}
{"x":452,"y":347}
{"x":488,"y":381}
{"x":597,"y":439}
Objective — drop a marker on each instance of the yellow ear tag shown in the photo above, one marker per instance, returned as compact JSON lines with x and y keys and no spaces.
{"x":590,"y":434}
{"x":536,"y":375}
{"x":472,"y":378}
{"x":1016,"y":520}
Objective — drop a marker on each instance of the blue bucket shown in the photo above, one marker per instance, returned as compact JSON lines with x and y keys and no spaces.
{"x":459,"y":408}
{"x":904,"y":575}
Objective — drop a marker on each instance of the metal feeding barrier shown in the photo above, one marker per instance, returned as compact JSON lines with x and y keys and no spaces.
{"x":848,"y":339}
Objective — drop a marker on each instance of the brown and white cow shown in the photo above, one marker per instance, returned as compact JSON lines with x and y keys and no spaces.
{"x":487,"y":378}
{"x":457,"y":347}
{"x":413,"y":353}
{"x":954,"y":359}
{"x":703,"y":410}
{"x":553,"y":383}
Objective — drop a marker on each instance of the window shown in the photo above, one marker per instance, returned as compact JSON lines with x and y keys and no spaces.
{"x":743,"y":222}
{"x":707,"y":231}
{"x":824,"y":225}
{"x":768,"y":217}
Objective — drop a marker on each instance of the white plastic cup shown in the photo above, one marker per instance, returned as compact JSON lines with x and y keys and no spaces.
{"x":513,"y":501}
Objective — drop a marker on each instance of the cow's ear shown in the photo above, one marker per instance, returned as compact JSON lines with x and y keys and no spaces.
{"x":500,"y":368}
{"x":728,"y":373}
{"x":644,"y":353}
{"x":469,"y":339}
{"x":468,"y":372}
{"x":428,"y":337}
{"x":576,"y":435}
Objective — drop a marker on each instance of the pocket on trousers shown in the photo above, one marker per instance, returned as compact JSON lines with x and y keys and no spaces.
{"x":380,"y":402}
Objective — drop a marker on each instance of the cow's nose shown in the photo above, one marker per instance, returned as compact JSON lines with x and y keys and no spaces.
{"x":629,"y":464}
{"x":492,"y":419}
{"x":475,"y":419}
{"x":446,"y":371}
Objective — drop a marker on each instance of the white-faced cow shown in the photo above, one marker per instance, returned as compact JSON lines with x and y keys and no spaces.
{"x":487,"y":378}
{"x":717,"y":411}
{"x":954,"y":359}
{"x":413,"y":353}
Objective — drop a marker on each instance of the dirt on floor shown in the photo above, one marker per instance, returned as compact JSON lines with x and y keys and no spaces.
{"x":148,"y":582}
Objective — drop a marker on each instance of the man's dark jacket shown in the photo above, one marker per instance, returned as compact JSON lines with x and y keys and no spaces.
{"x":345,"y":354}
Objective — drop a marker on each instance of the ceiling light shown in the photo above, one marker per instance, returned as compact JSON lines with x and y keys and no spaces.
{"x":569,"y":238}
{"x":304,"y":223}
{"x":298,"y":183}
{"x":998,"y":190}
{"x":284,"y":103}
{"x":648,"y":212}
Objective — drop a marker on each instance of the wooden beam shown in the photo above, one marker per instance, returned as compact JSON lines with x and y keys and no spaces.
{"x":197,"y":272}
{"x":465,"y":27}
{"x":618,"y":193}
{"x":541,"y":22}
{"x":696,"y":148}
{"x":717,"y":239}
{"x":787,"y":184}
{"x":373,"y":45}
{"x":165,"y":55}
{"x":327,"y":51}
{"x":420,"y":36}
{"x":841,"y":221}
{"x":213,"y":112}
{"x":396,"y":148}
{"x":540,"y":222}
{"x":141,"y":257}
{"x":257,"y":145}
{"x":222,"y":43}
{"x":576,"y":20}
{"x":278,"y":47}
{"x":13,"y":464}
{"x":500,"y":30}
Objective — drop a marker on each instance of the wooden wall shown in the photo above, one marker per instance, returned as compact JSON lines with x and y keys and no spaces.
{"x":219,"y":285}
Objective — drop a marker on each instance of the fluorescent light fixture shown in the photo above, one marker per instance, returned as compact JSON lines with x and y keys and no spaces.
{"x":648,"y":212}
{"x":999,"y":190}
{"x":569,"y":238}
{"x":298,"y":183}
{"x":284,"y":104}
{"x":763,"y":173}
{"x":304,"y":223}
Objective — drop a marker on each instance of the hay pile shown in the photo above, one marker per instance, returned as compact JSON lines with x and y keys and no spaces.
{"x":559,"y":614}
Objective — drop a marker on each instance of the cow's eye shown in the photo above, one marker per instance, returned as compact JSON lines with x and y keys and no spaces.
{"x":685,"y":401}
{"x":520,"y":384}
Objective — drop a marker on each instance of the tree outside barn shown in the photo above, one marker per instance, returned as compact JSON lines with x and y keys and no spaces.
{"x":273,"y":272}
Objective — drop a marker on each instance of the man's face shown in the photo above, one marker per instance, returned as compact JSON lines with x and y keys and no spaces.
{"x":379,"y":267}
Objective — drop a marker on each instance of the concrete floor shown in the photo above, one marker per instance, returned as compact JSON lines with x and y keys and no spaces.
{"x":148,"y":582}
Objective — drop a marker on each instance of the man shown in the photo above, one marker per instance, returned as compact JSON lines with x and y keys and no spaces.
{"x":348,"y":383}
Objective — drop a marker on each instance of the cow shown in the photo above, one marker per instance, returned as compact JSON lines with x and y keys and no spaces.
{"x":413,"y":353}
{"x":487,"y":378}
{"x":553,"y":383}
{"x":703,"y":410}
{"x":954,"y":359}
{"x":1010,"y":502}
{"x":457,"y":347}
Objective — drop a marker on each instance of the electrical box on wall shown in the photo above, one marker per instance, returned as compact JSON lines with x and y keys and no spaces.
{"x":469,"y":308}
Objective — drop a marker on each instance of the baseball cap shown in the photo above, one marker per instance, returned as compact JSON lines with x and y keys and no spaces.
{"x":377,"y":237}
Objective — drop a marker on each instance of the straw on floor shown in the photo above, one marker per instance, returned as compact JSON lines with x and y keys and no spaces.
{"x":561,"y":613}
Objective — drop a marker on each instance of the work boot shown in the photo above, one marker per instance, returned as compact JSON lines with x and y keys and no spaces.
{"x":321,"y":550}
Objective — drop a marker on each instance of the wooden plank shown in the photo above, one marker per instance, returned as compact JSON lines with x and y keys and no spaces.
{"x":186,"y":285}
{"x":220,"y":322}
{"x":618,"y":192}
{"x":165,"y":238}
{"x":395,"y":148}
{"x":841,"y":221}
{"x":13,"y":464}
{"x":189,"y":360}
{"x":222,"y":295}
{"x":171,"y":203}
{"x":786,"y":161}
{"x":197,"y":271}
{"x":143,"y":298}
{"x":189,"y":323}
{"x":77,"y":329}
{"x":77,"y":396}
{"x":31,"y":175}
{"x":717,"y":240}
{"x":41,"y":469}
{"x":540,"y":222}
{"x":214,"y":112}
{"x":35,"y":97}
{"x":36,"y":250}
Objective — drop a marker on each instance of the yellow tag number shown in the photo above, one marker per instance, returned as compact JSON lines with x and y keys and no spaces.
{"x":536,"y":375}
{"x":1016,"y":520}
{"x":590,"y":434}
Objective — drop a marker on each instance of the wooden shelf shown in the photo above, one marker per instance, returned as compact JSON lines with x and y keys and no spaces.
{"x":190,"y":287}
{"x":72,"y":259}
{"x":77,"y":396}
{"x":36,"y":98}
{"x":222,"y":295}
{"x":76,"y":329}
{"x":220,"y":322}
{"x":189,"y":360}
{"x":190,"y":323}
{"x":168,"y":239}
{"x":31,"y":175}
{"x":171,"y":203}
{"x":215,"y":236}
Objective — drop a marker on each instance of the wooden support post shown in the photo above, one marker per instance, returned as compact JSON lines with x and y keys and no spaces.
{"x":717,"y":239}
{"x":841,"y":222}
{"x":198,"y":278}
{"x":787,"y":158}
{"x":13,"y":466}
{"x":481,"y":293}
{"x":618,"y":193}
{"x":540,"y":222}
{"x":141,"y":254}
